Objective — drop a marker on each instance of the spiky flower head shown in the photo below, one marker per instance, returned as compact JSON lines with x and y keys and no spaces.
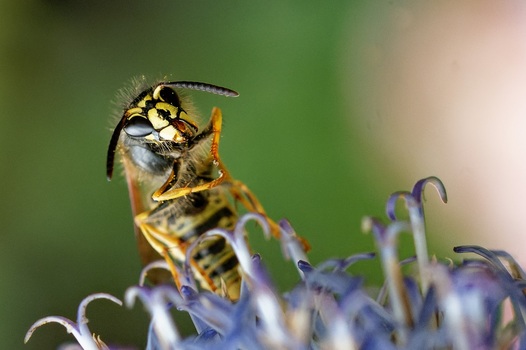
{"x":476,"y":304}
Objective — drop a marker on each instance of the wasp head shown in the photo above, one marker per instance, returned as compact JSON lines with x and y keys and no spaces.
{"x":155,"y":122}
{"x":156,"y":115}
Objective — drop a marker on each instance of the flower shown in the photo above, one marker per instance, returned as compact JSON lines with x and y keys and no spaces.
{"x":79,"y":329}
{"x":445,"y":305}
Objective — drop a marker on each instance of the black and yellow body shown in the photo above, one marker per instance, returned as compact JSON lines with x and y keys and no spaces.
{"x":178,"y":186}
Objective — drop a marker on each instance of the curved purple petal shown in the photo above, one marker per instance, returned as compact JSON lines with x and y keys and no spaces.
{"x":418,"y":189}
{"x":390,"y":207}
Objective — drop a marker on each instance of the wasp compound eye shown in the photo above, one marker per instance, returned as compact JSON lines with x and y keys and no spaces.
{"x":168,"y":95}
{"x":138,"y":127}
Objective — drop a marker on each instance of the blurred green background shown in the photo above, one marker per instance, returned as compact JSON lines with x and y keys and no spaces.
{"x":291,"y":137}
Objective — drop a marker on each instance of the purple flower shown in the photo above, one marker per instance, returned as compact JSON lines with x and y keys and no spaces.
{"x":445,"y":305}
{"x":79,"y":329}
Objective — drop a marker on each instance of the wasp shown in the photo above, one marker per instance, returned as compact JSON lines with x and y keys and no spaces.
{"x":178,"y":186}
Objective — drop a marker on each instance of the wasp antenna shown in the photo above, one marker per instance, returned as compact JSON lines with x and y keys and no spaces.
{"x":110,"y":159}
{"x":213,"y":89}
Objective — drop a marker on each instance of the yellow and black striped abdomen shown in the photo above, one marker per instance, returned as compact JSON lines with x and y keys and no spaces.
{"x":185,"y":219}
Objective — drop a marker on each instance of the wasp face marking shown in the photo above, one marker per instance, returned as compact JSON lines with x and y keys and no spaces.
{"x":158,"y":116}
{"x":156,"y":120}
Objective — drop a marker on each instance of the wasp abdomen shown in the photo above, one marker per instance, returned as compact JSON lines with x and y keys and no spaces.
{"x":214,"y":260}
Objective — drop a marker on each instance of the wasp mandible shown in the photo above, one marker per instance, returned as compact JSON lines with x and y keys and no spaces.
{"x":178,"y":186}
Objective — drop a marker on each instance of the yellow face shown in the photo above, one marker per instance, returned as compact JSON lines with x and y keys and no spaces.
{"x":154,"y":119}
{"x":156,"y":115}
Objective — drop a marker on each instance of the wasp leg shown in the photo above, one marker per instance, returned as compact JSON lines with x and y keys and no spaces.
{"x":155,"y":238}
{"x":171,"y":249}
{"x":242,"y":194}
{"x":213,"y":128}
